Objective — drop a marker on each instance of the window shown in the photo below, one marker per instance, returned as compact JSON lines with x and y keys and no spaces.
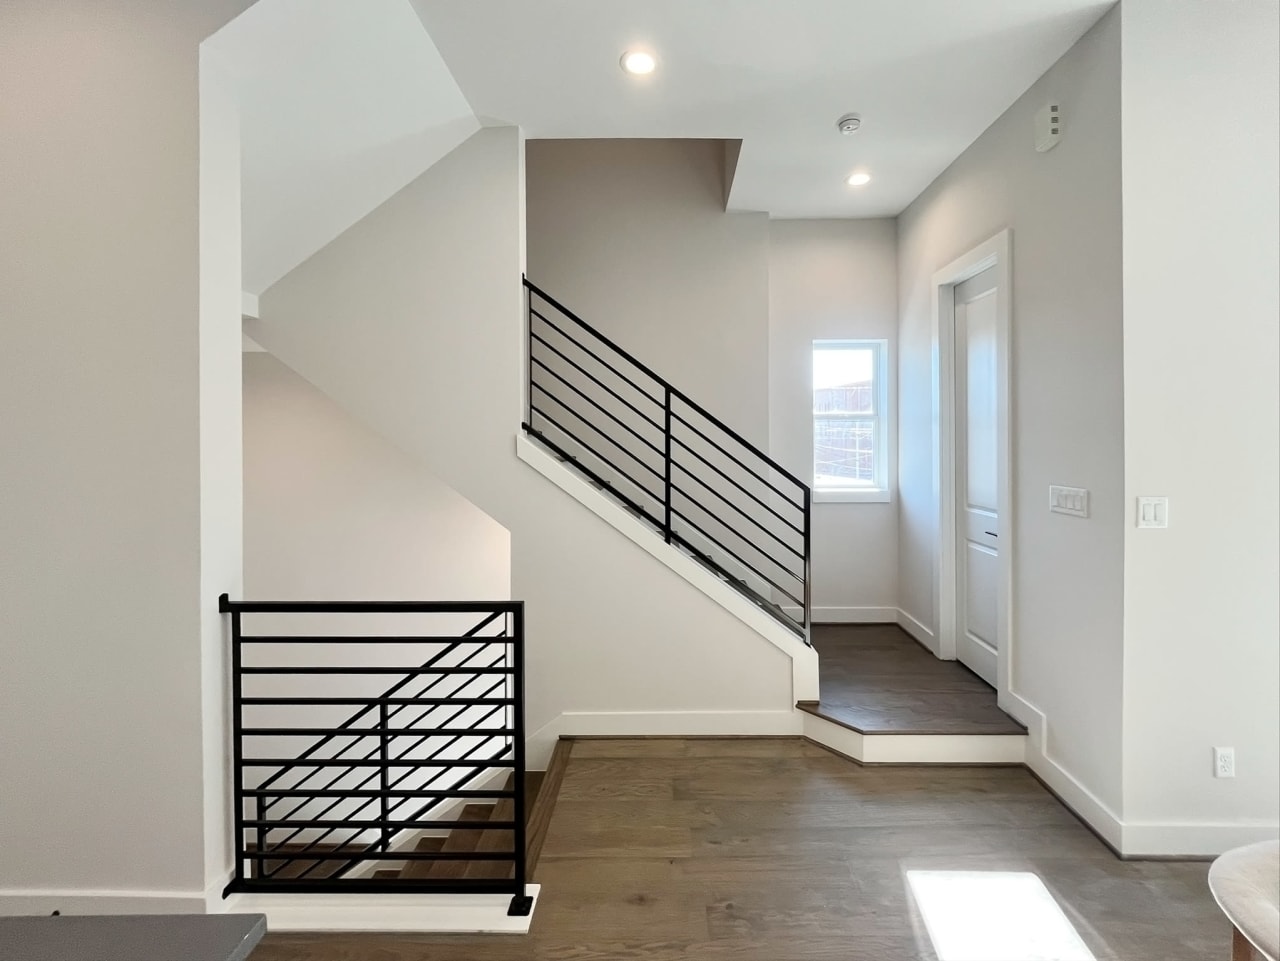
{"x":850,"y":445}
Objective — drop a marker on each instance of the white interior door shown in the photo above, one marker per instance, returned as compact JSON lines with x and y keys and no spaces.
{"x":977,"y":475}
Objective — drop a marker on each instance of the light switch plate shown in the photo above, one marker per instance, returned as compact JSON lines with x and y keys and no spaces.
{"x":1069,"y":500}
{"x":1153,"y":512}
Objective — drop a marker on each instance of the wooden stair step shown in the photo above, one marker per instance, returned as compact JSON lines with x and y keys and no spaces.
{"x":460,"y":840}
{"x":282,"y":869}
{"x":420,"y":869}
{"x":498,"y":839}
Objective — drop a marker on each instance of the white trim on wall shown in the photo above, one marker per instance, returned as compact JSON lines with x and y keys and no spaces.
{"x":690,"y":723}
{"x":804,"y":660}
{"x":917,"y":629}
{"x":993,"y":253}
{"x":847,"y":615}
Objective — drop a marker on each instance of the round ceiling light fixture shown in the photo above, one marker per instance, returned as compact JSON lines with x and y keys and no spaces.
{"x":849,"y":123}
{"x":858,"y":179}
{"x":638,"y":63}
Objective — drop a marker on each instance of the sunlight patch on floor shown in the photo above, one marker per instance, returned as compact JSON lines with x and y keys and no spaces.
{"x":994,"y":916}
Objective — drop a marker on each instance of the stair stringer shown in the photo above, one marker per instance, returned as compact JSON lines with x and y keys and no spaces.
{"x":412,"y":321}
{"x":804,"y":659}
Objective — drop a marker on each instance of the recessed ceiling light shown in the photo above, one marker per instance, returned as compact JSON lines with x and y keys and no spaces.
{"x":638,"y":62}
{"x":858,"y":179}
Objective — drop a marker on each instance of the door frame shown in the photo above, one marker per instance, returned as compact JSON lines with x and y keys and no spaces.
{"x":996,"y":253}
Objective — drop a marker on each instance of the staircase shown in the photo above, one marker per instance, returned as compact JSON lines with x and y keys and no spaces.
{"x":336,"y":775}
{"x":704,"y":488}
{"x":450,"y":851}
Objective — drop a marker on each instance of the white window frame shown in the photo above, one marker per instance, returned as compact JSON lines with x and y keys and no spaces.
{"x":877,"y":493}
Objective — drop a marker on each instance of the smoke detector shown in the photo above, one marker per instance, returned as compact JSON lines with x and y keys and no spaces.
{"x":849,"y":123}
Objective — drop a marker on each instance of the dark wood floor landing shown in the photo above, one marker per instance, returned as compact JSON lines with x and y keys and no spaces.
{"x":876,"y":679}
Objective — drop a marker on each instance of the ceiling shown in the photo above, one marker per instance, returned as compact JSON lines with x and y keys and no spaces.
{"x":341,"y":105}
{"x":927,"y":76}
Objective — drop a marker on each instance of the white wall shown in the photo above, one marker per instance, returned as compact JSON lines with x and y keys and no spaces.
{"x":412,"y":322}
{"x":221,"y":499}
{"x":633,"y":237}
{"x":1064,"y":210}
{"x":342,"y":104}
{"x":333,"y":510}
{"x":104,"y":573}
{"x":834,"y":279}
{"x":1200,"y":368}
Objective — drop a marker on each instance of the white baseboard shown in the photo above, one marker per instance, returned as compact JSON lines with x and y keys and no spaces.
{"x":804,"y":660}
{"x":1189,"y":839}
{"x":916,"y":629}
{"x":848,"y":615}
{"x":916,"y":748}
{"x":542,"y":742}
{"x":437,"y":913}
{"x":1087,"y":805}
{"x":81,"y":901}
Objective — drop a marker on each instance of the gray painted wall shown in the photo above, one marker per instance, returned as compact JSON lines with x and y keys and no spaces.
{"x":1202,"y":415}
{"x":834,"y":279}
{"x":108,"y":590}
{"x":632,"y":236}
{"x":1064,"y":211}
{"x":332,"y":509}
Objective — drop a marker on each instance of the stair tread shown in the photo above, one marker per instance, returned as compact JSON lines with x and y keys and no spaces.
{"x":460,"y":840}
{"x":501,"y":839}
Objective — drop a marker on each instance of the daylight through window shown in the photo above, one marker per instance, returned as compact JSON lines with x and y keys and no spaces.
{"x":849,"y":450}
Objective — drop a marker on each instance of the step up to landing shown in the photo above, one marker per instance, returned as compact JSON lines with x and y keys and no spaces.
{"x":885,"y":699}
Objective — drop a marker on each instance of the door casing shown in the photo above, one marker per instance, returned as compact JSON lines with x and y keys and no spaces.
{"x":996,"y":253}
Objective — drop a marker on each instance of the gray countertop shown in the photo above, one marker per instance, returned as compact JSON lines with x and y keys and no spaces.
{"x":153,"y":937}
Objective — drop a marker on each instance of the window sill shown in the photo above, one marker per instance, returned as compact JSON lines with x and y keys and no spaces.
{"x":852,"y":497}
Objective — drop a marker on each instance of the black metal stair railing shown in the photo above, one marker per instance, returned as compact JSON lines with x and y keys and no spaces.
{"x":321,"y":795}
{"x":702,"y":486}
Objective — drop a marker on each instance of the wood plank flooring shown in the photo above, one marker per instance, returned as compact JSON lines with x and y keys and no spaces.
{"x":775,"y":849}
{"x":876,"y":679}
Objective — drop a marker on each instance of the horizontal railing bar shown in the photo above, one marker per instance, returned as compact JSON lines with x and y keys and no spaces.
{"x":578,"y":465}
{"x":378,"y":886}
{"x":774,"y":561}
{"x":675,"y":391}
{"x":697,"y":454}
{"x":370,"y":607}
{"x":376,"y":824}
{"x":597,"y":405}
{"x":586,"y":373}
{"x":376,"y":669}
{"x":402,"y":794}
{"x":376,"y":700}
{"x":252,"y":854}
{"x":753,"y":520}
{"x":761,"y":478}
{"x":353,"y":719}
{"x":362,"y":732}
{"x":711,"y":563}
{"x":616,"y":443}
{"x":369,"y":762}
{"x":694,"y":524}
{"x":454,"y":639}
{"x":591,"y":353}
{"x":533,"y":409}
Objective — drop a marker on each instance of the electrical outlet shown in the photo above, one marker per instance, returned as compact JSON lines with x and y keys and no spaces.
{"x":1224,"y":762}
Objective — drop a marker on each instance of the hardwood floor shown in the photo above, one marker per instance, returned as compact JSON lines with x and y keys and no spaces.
{"x":876,"y":679}
{"x":774,"y":849}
